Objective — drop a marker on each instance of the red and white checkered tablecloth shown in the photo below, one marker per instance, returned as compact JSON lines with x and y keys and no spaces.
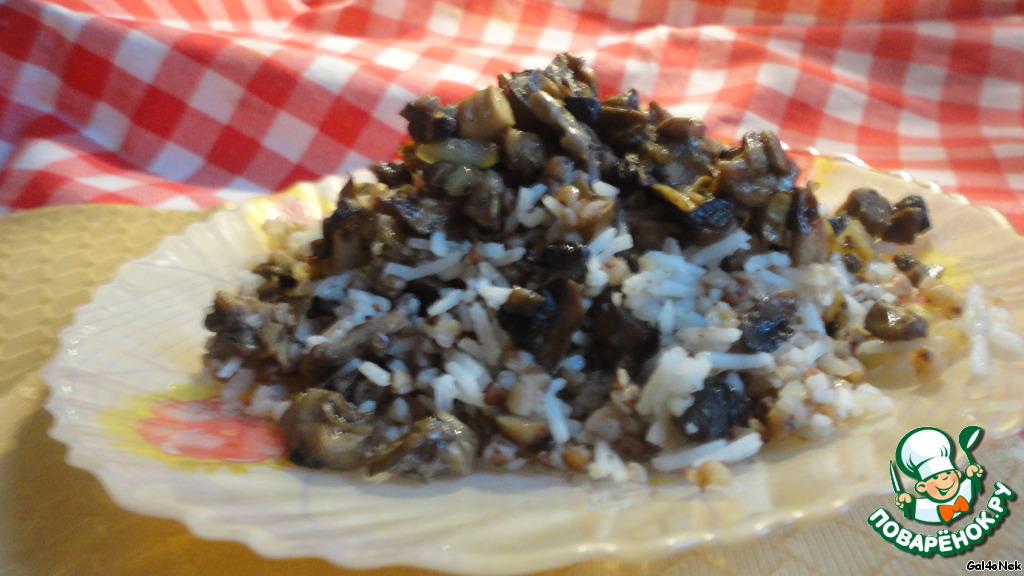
{"x":186,"y":104}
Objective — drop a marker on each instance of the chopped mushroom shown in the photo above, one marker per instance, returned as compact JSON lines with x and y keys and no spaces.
{"x":621,"y":339}
{"x":428,"y":120}
{"x":576,"y":138}
{"x":717,"y":407}
{"x":750,"y":173}
{"x":870,"y":208}
{"x":568,"y":259}
{"x":909,"y":219}
{"x":323,"y":430}
{"x":250,"y":328}
{"x":483,"y":203}
{"x":546,"y":331}
{"x":524,"y":153}
{"x":484,"y":115}
{"x":892,"y":323}
{"x":768,"y":324}
{"x":420,"y":216}
{"x":348,"y":232}
{"x":437,"y":445}
{"x":916,"y":271}
{"x":809,"y":237}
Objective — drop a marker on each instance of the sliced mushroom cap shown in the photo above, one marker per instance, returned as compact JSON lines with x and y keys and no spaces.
{"x":752,"y":172}
{"x":323,"y":430}
{"x":419,"y":216}
{"x":546,"y":331}
{"x":576,"y":138}
{"x":809,"y":237}
{"x":348,"y":232}
{"x":717,"y":407}
{"x":567,"y":259}
{"x":916,"y":271}
{"x":909,"y":219}
{"x":484,"y":201}
{"x":769,"y":323}
{"x":709,"y":222}
{"x":484,"y":115}
{"x":870,"y":208}
{"x":524,"y":154}
{"x":440,"y":445}
{"x":250,"y":328}
{"x":621,"y":339}
{"x":429,"y":121}
{"x":894,"y":324}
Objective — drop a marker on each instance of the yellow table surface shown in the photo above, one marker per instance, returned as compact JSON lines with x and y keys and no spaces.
{"x":55,"y":519}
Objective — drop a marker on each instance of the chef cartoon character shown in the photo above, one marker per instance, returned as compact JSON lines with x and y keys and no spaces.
{"x":927,"y":454}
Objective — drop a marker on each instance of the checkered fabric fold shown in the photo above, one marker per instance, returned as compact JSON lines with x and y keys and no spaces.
{"x":185,"y":104}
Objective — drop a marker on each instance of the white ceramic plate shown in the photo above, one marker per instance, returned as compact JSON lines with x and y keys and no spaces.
{"x":141,"y":339}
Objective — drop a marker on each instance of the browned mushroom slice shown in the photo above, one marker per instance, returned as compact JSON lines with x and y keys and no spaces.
{"x":483,"y":203}
{"x":709,"y":222}
{"x":916,"y":271}
{"x":621,"y":339}
{"x":870,"y":208}
{"x":548,"y":322}
{"x":484,"y":115}
{"x":250,"y":328}
{"x":893,"y":324}
{"x":391,"y":174}
{"x":278,"y":279}
{"x":584,"y":108}
{"x":909,"y":219}
{"x":348,"y":232}
{"x":325,"y":358}
{"x":750,"y":173}
{"x":576,"y":138}
{"x":571,"y":75}
{"x":428,"y":120}
{"x":768,"y":324}
{"x":567,"y":259}
{"x":623,"y":129}
{"x":809,"y":237}
{"x":517,"y":88}
{"x":322,"y":430}
{"x":440,"y":445}
{"x":524,"y":154}
{"x":421,"y":216}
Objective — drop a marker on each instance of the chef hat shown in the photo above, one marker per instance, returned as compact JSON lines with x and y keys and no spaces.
{"x":925,"y":452}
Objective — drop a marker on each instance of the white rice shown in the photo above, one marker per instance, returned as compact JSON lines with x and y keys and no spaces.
{"x":554,"y":410}
{"x":495,"y":296}
{"x":605,"y":189}
{"x":374,"y":373}
{"x":722,"y":450}
{"x":725,"y":361}
{"x":606,"y":463}
{"x":268,"y":402}
{"x":449,"y":298}
{"x":432,"y":268}
{"x":713,"y":254}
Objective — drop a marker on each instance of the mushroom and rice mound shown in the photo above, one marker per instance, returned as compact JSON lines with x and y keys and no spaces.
{"x":546,"y":276}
